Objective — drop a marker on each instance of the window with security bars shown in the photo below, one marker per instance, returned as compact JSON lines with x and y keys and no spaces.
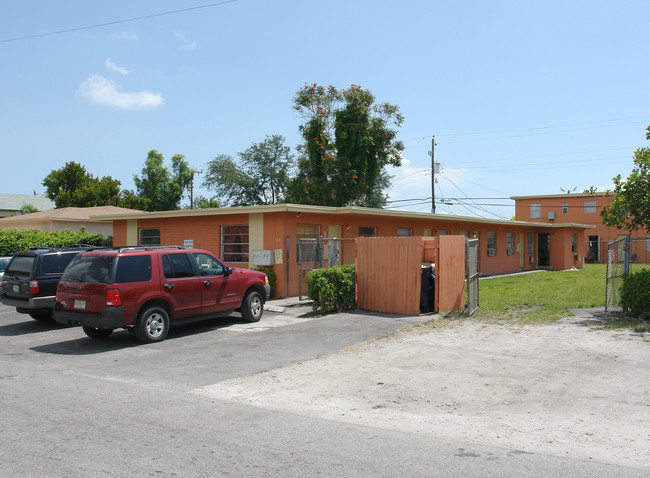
{"x":510,"y":243}
{"x":530,"y":237}
{"x":535,"y":211}
{"x":491,"y":243}
{"x":150,"y":237}
{"x":234,"y":243}
{"x":590,"y":207}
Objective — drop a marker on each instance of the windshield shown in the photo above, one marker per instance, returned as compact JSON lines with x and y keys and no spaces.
{"x":89,"y":269}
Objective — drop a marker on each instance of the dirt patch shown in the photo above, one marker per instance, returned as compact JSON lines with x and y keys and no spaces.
{"x":570,"y":388}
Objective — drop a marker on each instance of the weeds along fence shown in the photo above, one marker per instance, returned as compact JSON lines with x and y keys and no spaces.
{"x":624,"y":256}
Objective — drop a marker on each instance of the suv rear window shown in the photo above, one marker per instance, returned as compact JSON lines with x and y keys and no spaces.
{"x":21,"y":265}
{"x":56,"y":263}
{"x":89,"y":269}
{"x":98,"y":269}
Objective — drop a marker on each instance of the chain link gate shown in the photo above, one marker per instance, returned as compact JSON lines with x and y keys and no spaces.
{"x":471,"y":274}
{"x":618,"y":266}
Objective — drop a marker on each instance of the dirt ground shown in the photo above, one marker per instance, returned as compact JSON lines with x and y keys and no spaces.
{"x":570,"y":389}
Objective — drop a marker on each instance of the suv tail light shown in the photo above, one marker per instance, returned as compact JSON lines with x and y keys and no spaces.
{"x":33,"y":287}
{"x":113,"y":297}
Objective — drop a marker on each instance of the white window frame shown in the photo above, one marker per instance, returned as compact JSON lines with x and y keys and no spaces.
{"x":225,"y":254}
{"x":565,"y":207}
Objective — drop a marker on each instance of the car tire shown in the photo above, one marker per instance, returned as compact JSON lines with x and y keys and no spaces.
{"x":41,"y":316}
{"x":152,"y":325}
{"x":97,"y":332}
{"x":252,"y":307}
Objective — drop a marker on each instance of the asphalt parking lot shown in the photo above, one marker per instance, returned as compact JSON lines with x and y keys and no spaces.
{"x":76,"y":407}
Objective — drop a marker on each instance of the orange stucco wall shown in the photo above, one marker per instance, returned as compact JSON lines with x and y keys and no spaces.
{"x":205,"y":232}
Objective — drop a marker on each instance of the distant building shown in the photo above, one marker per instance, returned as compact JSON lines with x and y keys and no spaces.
{"x":66,"y":218}
{"x":578,"y":209}
{"x":12,"y":204}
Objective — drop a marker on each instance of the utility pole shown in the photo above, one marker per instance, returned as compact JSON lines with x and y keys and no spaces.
{"x":194,"y":172}
{"x":433,"y":175}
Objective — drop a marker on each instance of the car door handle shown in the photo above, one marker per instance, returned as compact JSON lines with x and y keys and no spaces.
{"x":207,"y":282}
{"x":169,"y":286}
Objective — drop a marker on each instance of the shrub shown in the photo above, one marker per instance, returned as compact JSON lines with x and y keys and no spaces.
{"x":12,"y":240}
{"x":331,"y":289}
{"x":635,"y":293}
{"x":270,"y":273}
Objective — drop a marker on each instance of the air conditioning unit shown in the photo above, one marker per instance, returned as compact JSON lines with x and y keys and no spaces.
{"x":551,"y":215}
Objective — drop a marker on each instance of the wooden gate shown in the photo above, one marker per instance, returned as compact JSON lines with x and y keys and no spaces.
{"x":389,"y":272}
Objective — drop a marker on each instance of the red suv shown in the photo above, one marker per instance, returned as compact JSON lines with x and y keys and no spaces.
{"x":146,"y":289}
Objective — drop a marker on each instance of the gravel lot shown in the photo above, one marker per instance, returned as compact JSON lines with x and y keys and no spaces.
{"x":570,"y":389}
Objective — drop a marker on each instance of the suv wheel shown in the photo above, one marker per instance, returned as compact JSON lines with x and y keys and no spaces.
{"x":153,"y":325}
{"x":252,"y":307}
{"x":96,"y":332}
{"x":42,"y":316}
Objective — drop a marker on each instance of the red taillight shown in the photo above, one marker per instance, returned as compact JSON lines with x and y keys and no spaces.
{"x":33,"y":287}
{"x":113,"y":297}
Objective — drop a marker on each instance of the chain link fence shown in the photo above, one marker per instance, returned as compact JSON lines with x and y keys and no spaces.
{"x":624,"y":255}
{"x":314,"y":253}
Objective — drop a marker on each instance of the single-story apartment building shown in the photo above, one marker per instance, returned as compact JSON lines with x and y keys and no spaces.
{"x":237,"y":234}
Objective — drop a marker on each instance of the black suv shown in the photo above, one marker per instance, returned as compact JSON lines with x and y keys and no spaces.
{"x":30,"y":280}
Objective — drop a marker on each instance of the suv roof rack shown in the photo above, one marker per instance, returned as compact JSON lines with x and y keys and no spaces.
{"x":61,"y":248}
{"x":146,"y":248}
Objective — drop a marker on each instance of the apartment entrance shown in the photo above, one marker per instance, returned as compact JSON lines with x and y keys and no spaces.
{"x":593,"y":254}
{"x":544,"y":250}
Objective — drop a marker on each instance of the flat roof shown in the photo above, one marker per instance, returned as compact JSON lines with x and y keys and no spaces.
{"x":305,"y":208}
{"x":572,"y":195}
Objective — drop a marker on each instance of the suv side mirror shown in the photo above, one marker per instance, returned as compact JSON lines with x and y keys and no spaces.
{"x":227,"y":271}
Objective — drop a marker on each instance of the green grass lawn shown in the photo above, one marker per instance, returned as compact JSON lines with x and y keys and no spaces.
{"x":541,"y":296}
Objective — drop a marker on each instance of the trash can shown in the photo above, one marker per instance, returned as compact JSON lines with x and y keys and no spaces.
{"x":427,"y":289}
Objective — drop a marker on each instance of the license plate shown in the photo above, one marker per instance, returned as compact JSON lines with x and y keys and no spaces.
{"x":79,"y":304}
{"x":16,"y":288}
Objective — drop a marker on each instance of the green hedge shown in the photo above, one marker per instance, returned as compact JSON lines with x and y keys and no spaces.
{"x":635,"y":293}
{"x":332,"y":288}
{"x":12,"y":240}
{"x":270,"y":273}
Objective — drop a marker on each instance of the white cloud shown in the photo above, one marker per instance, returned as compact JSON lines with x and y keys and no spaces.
{"x":186,"y":43}
{"x":125,"y":36}
{"x":103,"y":91}
{"x":113,"y":67}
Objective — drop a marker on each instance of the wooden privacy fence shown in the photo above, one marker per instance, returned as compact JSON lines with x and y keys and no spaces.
{"x":388,"y":273}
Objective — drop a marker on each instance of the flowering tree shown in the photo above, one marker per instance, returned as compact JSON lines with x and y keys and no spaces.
{"x":348,"y":142}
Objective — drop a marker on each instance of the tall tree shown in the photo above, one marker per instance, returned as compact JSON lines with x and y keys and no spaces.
{"x":348,"y":143}
{"x":630,"y":207}
{"x":73,"y":186}
{"x":260,"y":176}
{"x":162,"y":188}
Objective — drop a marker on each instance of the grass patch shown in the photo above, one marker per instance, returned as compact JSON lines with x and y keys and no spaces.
{"x":541,"y":297}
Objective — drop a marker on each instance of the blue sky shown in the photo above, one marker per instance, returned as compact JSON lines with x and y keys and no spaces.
{"x":523,"y":97}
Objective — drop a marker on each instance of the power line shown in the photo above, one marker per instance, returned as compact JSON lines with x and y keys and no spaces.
{"x":70,"y":30}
